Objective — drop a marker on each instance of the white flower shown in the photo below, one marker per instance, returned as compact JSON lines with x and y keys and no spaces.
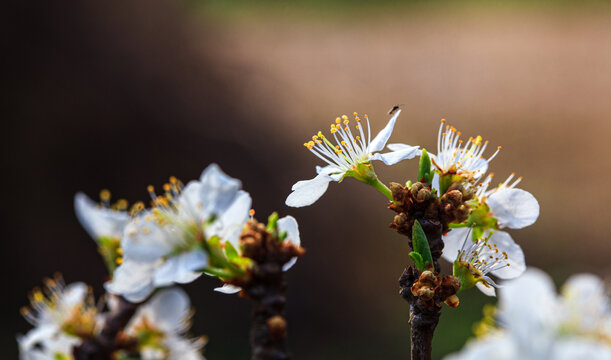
{"x":503,"y":206}
{"x":57,"y":318}
{"x":286,"y":224}
{"x":512,"y":208}
{"x":163,"y":322}
{"x":99,"y":221}
{"x":163,"y":246}
{"x":344,"y":158}
{"x":497,"y":255}
{"x":536,"y":324}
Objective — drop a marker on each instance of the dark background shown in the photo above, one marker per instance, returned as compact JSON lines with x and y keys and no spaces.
{"x":120,"y":95}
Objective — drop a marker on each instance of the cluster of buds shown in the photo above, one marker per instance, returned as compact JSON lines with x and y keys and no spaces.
{"x":454,"y":206}
{"x":430,"y":288}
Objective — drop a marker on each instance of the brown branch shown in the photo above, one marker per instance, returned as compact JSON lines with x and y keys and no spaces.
{"x":106,"y":343}
{"x":417,"y":203}
{"x":266,"y":287}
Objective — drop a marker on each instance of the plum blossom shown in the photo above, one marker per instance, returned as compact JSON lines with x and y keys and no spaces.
{"x":170,"y":243}
{"x":537,"y":324}
{"x":350,"y":156}
{"x":160,"y":326}
{"x":474,"y":262}
{"x":60,"y":319}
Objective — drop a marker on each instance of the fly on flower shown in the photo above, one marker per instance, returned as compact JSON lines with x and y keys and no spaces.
{"x":348,"y":154}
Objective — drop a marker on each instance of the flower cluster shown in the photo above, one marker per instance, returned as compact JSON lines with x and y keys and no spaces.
{"x":535,"y":323}
{"x":67,"y":315}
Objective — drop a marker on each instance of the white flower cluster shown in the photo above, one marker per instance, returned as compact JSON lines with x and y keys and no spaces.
{"x":67,"y":315}
{"x":537,"y":324}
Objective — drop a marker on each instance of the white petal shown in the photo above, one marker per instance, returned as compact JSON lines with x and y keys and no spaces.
{"x":217,"y":190}
{"x":571,"y":348}
{"x":497,"y":347}
{"x":171,"y":310}
{"x":435,"y":182}
{"x":183,"y":349}
{"x":190,"y":201}
{"x":145,"y":241}
{"x":585,"y":302}
{"x":39,"y":334}
{"x":182,"y":269}
{"x":453,"y":242}
{"x":98,"y":221}
{"x":515,"y":256}
{"x":289,"y":224}
{"x":487,"y":290}
{"x":529,"y":304}
{"x":398,"y":146}
{"x":74,"y":294}
{"x":334,"y":172}
{"x":381,"y":139}
{"x":230,"y":224}
{"x":306,"y":192}
{"x":133,"y":280}
{"x":514,"y":208}
{"x":228,"y":289}
{"x":394,"y":157}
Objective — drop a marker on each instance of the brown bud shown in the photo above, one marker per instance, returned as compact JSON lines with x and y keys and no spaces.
{"x":454,"y":197}
{"x":425,"y":293}
{"x":415,"y":188}
{"x":423,"y":195}
{"x":277,"y":327}
{"x":400,"y":219}
{"x":468,"y":193}
{"x":452,"y":301}
{"x":431,"y":211}
{"x":397,"y":191}
{"x":427,"y":277}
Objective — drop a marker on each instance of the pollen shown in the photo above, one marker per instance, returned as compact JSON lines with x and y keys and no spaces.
{"x":443,"y":121}
{"x":251,"y":212}
{"x":355,"y":113}
{"x":338,"y":120}
{"x":119,"y":261}
{"x":150,"y":189}
{"x":344,"y":117}
{"x":105,"y":195}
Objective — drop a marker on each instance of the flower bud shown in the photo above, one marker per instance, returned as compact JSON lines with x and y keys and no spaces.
{"x":396,"y":191}
{"x":452,"y":301}
{"x":424,"y":194}
{"x":416,"y":188}
{"x":400,"y":219}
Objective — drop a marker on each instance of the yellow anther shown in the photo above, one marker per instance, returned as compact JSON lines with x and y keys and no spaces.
{"x":173,"y":180}
{"x":478,"y":140}
{"x":357,"y":119}
{"x":358,"y":127}
{"x":119,"y":260}
{"x":344,"y":117}
{"x":500,"y":147}
{"x":346,"y":122}
{"x":314,"y":137}
{"x":337,"y":120}
{"x":355,"y":113}
{"x":105,"y":195}
{"x":358,"y":138}
{"x":459,"y":133}
{"x":443,"y":120}
{"x":166,"y":187}
{"x":343,"y":142}
{"x":346,"y":128}
{"x":251,"y":212}
{"x":150,"y":188}
{"x":365,"y":116}
{"x":337,"y":146}
{"x":120,"y":251}
{"x":38,"y":297}
{"x":338,"y":126}
{"x":121,"y":204}
{"x":333,"y":130}
{"x":520,"y":178}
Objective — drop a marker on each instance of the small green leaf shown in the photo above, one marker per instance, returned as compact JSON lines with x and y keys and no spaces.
{"x":424,"y":169}
{"x":417,"y":259}
{"x":272,"y":223}
{"x":421,"y":244}
{"x":408,"y":184}
{"x":230,"y":251}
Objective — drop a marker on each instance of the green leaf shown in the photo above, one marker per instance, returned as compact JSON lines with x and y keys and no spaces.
{"x":424,"y":169}
{"x":421,"y":244}
{"x":272,"y":221}
{"x":230,"y":251}
{"x":417,"y":259}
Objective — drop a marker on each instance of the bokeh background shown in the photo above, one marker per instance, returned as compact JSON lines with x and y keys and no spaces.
{"x":122,"y":94}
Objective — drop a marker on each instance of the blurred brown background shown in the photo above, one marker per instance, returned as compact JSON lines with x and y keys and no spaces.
{"x":122,"y":94}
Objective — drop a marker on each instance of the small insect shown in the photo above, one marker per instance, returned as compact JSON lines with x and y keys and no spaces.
{"x":394,"y":109}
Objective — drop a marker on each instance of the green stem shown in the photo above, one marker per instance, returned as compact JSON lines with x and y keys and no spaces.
{"x":381,"y":188}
